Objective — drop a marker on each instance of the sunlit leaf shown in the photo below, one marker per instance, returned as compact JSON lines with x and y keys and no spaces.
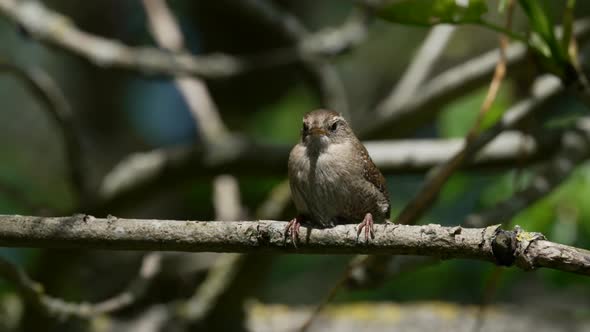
{"x":429,"y":12}
{"x":542,"y":25}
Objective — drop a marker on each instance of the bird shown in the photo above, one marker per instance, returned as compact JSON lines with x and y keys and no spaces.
{"x":332,"y":178}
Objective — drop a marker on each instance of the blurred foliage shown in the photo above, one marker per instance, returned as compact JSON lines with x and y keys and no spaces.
{"x":458,"y":117}
{"x":429,"y":12}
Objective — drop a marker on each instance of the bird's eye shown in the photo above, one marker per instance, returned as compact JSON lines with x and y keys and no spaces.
{"x":305,"y":127}
{"x":334,"y":126}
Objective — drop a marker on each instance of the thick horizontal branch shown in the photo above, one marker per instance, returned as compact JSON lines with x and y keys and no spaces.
{"x":526,"y":250}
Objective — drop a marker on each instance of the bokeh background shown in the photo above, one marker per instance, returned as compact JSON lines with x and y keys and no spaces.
{"x":119,"y":112}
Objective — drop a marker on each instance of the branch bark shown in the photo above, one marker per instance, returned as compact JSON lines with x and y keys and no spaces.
{"x":525,"y":250}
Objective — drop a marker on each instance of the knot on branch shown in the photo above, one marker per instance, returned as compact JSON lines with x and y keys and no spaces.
{"x":510,"y":247}
{"x":503,"y":247}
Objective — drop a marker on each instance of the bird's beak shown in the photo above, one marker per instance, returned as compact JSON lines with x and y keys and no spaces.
{"x":317,"y":132}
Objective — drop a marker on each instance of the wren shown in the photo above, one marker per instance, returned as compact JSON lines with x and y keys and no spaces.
{"x":333,"y":179}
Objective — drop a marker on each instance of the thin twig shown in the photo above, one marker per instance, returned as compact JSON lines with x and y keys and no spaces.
{"x":322,"y":75}
{"x":511,"y":119}
{"x":421,"y":66}
{"x":58,"y":30}
{"x":223,"y":273}
{"x":355,"y":263}
{"x":573,"y":152}
{"x":34,"y":292}
{"x":429,"y":192}
{"x":58,"y":108}
{"x":226,"y":197}
{"x":395,"y":119}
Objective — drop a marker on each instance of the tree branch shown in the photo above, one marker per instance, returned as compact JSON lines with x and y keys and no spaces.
{"x":321,"y":74}
{"x":396,"y":119}
{"x":421,"y":65}
{"x":511,"y":120}
{"x":58,"y":108}
{"x":526,"y":250}
{"x":163,"y":167}
{"x":58,"y":30}
{"x":575,"y":149}
{"x":34,"y":292}
{"x":167,"y":34}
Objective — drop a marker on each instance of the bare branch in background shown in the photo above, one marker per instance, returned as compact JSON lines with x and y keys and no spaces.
{"x":276,"y":202}
{"x":45,"y":24}
{"x":167,"y":33}
{"x":396,"y":120}
{"x":35,"y":294}
{"x":222,"y":274}
{"x":226,"y":198}
{"x":525,"y":250}
{"x":58,"y":30}
{"x":322,"y":75}
{"x":421,"y":66}
{"x":499,"y":74}
{"x":430,"y":190}
{"x":167,"y":166}
{"x":574,"y":151}
{"x":58,"y":108}
{"x":512,"y":118}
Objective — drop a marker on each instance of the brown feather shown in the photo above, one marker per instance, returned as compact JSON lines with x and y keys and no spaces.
{"x":372,"y":174}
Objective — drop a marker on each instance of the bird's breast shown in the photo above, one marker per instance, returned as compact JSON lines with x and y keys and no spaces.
{"x":326,"y":180}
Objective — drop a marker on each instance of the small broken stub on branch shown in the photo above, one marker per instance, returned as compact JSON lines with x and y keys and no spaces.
{"x":504,"y":247}
{"x":510,"y":247}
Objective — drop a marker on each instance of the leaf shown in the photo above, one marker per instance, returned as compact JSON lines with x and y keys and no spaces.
{"x":430,"y":12}
{"x":457,"y":118}
{"x":542,"y":25}
{"x":502,"y":4}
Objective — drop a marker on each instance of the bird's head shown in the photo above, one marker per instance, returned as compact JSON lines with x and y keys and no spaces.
{"x":322,"y":127}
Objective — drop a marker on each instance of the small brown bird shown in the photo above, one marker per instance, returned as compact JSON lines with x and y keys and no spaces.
{"x":332,"y":178}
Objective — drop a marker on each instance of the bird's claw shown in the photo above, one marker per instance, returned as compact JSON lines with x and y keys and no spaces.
{"x":292,"y":229}
{"x":368,"y":226}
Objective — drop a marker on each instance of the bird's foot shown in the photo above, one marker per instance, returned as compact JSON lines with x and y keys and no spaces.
{"x":292,"y":229}
{"x":368,"y":226}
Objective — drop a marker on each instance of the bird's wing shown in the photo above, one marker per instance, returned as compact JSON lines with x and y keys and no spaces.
{"x":372,"y":174}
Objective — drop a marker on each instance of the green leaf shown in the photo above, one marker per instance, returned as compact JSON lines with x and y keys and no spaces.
{"x":542,"y":26}
{"x":457,"y":118}
{"x":430,"y":12}
{"x":502,"y":5}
